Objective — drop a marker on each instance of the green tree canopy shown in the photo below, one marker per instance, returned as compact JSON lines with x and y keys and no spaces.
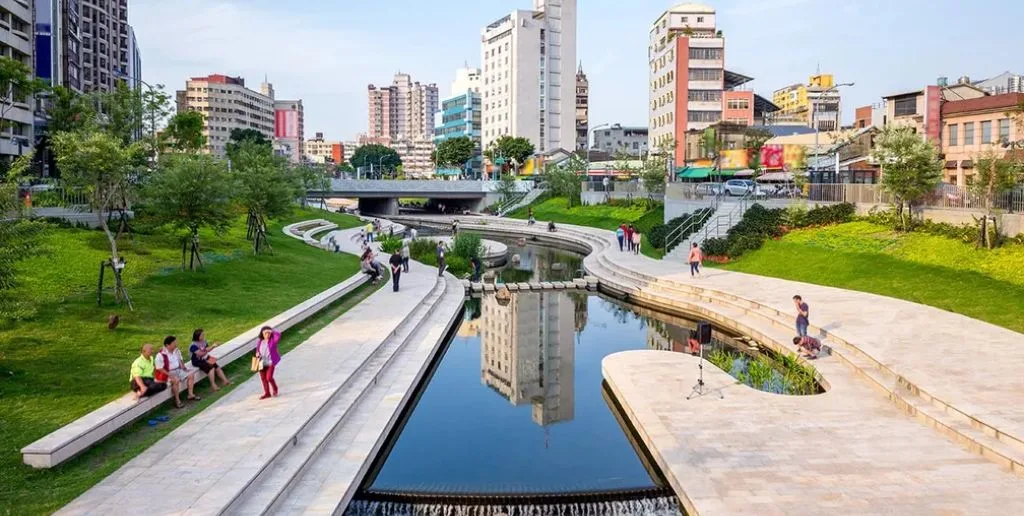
{"x":566,"y":179}
{"x":122,"y":112}
{"x":190,"y":192}
{"x":266,"y":188}
{"x":455,"y":152}
{"x":911,"y":168}
{"x":510,"y":148}
{"x":69,"y":111}
{"x":184,"y":132}
{"x":240,"y":136}
{"x":17,"y":84}
{"x":380,"y":156}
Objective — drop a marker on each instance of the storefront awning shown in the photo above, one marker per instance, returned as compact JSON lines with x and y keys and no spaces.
{"x":704,"y":173}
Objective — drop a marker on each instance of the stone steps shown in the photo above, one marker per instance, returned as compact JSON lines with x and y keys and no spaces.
{"x":333,"y":474}
{"x":282,"y":468}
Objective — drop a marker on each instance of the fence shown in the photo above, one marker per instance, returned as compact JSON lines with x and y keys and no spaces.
{"x":947,"y":197}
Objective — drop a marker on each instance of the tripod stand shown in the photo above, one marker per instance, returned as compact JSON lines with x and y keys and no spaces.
{"x":700,"y":388}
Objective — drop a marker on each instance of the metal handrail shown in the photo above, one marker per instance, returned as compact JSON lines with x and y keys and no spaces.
{"x":716,"y":223}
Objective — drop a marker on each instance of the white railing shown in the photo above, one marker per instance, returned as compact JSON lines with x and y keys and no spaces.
{"x":947,"y":197}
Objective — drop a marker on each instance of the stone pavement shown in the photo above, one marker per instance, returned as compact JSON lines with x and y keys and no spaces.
{"x":847,"y":451}
{"x":216,"y":455}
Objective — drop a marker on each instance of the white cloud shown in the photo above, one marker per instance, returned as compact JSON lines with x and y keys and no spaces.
{"x":327,"y":67}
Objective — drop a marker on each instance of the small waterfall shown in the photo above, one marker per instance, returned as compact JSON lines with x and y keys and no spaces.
{"x":662,"y":506}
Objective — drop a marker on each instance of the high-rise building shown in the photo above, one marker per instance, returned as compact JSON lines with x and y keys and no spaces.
{"x":582,"y":110}
{"x":226,"y":104}
{"x":460,"y":116}
{"x":817,"y":103}
{"x":105,"y":43}
{"x":403,"y":111}
{"x":319,"y":150}
{"x":289,"y":128}
{"x":528,"y":89}
{"x":58,"y":52}
{"x":16,"y":32}
{"x":134,"y":71}
{"x":690,"y":87}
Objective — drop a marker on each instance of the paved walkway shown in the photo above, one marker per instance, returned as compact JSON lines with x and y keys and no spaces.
{"x":216,"y":454}
{"x":892,"y":358}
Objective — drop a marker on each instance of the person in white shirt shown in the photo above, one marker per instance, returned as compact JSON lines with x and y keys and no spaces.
{"x":171,"y":368}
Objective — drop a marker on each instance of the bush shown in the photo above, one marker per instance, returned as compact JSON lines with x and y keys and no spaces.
{"x":390,"y":244}
{"x":830,"y":215}
{"x":744,"y":243}
{"x":467,"y":246}
{"x":716,"y":247}
{"x":656,"y":236}
{"x":759,"y":220}
{"x":458,"y":266}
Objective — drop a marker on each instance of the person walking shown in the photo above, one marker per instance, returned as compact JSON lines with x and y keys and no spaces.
{"x":529,"y":217}
{"x":440,"y":258}
{"x":695,"y":259}
{"x":455,"y":229}
{"x":637,"y":239}
{"x":267,"y":354}
{"x":803,"y":315}
{"x":620,"y":234}
{"x":396,"y":269}
{"x":629,"y":237}
{"x":405,"y":256}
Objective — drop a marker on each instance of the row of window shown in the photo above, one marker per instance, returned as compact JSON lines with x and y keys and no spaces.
{"x":663,"y":61}
{"x":663,"y":81}
{"x":705,"y":74}
{"x":738,"y":104}
{"x":663,"y":100}
{"x":953,"y":130}
{"x":704,"y":116}
{"x":710,"y":54}
{"x":663,"y":120}
{"x":705,"y":95}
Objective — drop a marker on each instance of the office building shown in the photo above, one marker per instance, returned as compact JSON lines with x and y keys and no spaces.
{"x":18,"y":134}
{"x":58,"y":39}
{"x":528,"y":90}
{"x":690,"y":89}
{"x":348,"y":149}
{"x":226,"y":104}
{"x":289,"y":127}
{"x":618,"y":139}
{"x":815,"y":104}
{"x":403,"y":111}
{"x":975,"y":127}
{"x":582,"y":110}
{"x":460,"y":116}
{"x":527,"y":353}
{"x":466,"y":79}
{"x":921,"y":109}
{"x":134,"y":72}
{"x":322,"y":151}
{"x":105,"y":43}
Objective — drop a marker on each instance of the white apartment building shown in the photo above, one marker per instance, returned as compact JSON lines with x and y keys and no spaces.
{"x":16,"y":33}
{"x":403,"y":111}
{"x":466,"y":79}
{"x":227,"y":104}
{"x":529,"y":76}
{"x":415,"y":156}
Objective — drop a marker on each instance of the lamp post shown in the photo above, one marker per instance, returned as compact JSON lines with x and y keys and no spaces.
{"x":814,"y":121}
{"x":590,"y":133}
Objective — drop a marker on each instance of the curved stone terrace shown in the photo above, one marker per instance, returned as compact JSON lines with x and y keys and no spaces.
{"x":922,"y":412}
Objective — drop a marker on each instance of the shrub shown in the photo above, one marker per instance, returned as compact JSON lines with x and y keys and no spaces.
{"x":390,"y":244}
{"x":656,"y":236}
{"x":716,"y":247}
{"x":467,"y":246}
{"x":830,"y":215}
{"x":458,"y":265}
{"x":759,"y":220}
{"x":744,"y":243}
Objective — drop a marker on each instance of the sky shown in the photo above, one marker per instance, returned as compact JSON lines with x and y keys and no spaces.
{"x":326,"y":52}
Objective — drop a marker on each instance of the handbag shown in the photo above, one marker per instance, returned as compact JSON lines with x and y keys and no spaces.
{"x":256,"y":365}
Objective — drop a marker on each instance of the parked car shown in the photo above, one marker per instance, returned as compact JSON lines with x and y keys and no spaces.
{"x":740,"y":187}
{"x":710,"y":189}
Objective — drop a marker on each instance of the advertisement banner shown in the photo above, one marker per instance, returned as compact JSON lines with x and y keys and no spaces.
{"x":286,"y":124}
{"x":772,"y":157}
{"x":793,"y":156}
{"x":735,"y":159}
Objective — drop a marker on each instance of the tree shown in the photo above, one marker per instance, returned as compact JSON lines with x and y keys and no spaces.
{"x":184,"y":132}
{"x":122,"y":112}
{"x":380,"y":157}
{"x":19,"y":239}
{"x":653,"y":174}
{"x":565,"y":180}
{"x":455,"y":152}
{"x":755,"y":140}
{"x":105,"y":170}
{"x":69,"y":111}
{"x":712,"y":147}
{"x":190,"y":192}
{"x":507,"y":187}
{"x":994,"y":175}
{"x":241,"y":136}
{"x":510,"y":149}
{"x":156,"y":106}
{"x":17,"y":84}
{"x":266,"y":189}
{"x":911,"y":168}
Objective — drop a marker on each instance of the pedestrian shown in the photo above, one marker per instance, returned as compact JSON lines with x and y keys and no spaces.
{"x":141,"y":375}
{"x":396,"y":269}
{"x":440,"y":258}
{"x":455,"y":228}
{"x":369,"y":232}
{"x":268,"y":357}
{"x":809,"y":347}
{"x":629,"y":237}
{"x":803,"y":314}
{"x":170,"y":368}
{"x":529,"y":217}
{"x":478,"y":268}
{"x":695,"y":259}
{"x":620,"y":234}
{"x":367,"y":266}
{"x":412,"y":233}
{"x":405,"y":256}
{"x":637,"y":238}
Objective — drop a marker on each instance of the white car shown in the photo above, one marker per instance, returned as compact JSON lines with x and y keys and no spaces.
{"x":740,"y":187}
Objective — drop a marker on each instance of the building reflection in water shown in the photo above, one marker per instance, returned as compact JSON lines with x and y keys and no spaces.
{"x":527,"y":352}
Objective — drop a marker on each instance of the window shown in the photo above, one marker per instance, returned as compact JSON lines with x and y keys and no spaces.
{"x":686,"y":19}
{"x":705,"y":74}
{"x":700,"y":19}
{"x":906,"y":106}
{"x":954,"y":138}
{"x":986,"y":132}
{"x":1004,"y":130}
{"x":706,"y":53}
{"x":705,"y":96}
{"x":969,"y":133}
{"x":704,"y":116}
{"x":738,"y":104}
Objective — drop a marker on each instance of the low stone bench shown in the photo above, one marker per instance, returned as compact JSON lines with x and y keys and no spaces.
{"x":79,"y":435}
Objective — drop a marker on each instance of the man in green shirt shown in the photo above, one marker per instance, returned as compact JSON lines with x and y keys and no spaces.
{"x":141,"y":376}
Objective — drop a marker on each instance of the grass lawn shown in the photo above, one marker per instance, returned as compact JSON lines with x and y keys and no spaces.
{"x":927,"y":269}
{"x":64,"y":362}
{"x":601,"y":216}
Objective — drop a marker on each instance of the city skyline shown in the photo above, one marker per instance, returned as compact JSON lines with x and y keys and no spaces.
{"x":328,"y":59}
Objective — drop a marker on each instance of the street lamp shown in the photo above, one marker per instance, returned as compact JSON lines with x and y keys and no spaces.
{"x":814,"y":122}
{"x":590,"y":133}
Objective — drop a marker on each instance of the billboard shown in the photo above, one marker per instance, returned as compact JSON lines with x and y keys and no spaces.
{"x":735,"y":159}
{"x":772,"y":157}
{"x":286,"y":123}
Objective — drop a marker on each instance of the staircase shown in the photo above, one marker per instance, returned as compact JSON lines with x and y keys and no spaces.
{"x":531,"y":196}
{"x":730,"y":214}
